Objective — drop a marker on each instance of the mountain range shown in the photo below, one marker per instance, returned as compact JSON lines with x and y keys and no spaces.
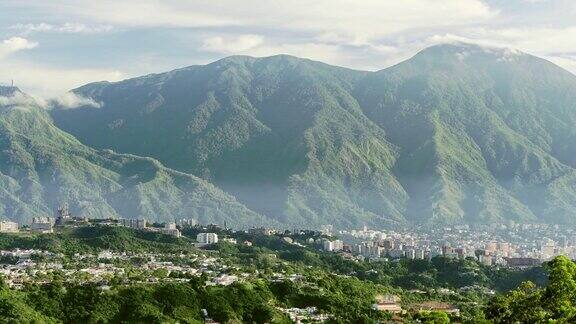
{"x":41,"y":167}
{"x":457,"y":134}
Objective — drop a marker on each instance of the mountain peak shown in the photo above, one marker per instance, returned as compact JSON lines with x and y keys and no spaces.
{"x":9,"y":91}
{"x":472,"y":47}
{"x":466,"y":51}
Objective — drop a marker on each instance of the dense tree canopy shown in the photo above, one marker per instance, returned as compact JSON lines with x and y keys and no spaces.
{"x":530,"y":304}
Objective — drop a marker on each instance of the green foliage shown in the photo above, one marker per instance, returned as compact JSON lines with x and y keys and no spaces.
{"x":432,"y":317}
{"x":89,"y":239}
{"x":14,"y":309}
{"x":344,"y":289}
{"x":529,"y":304}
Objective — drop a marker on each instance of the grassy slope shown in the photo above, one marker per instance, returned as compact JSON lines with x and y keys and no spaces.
{"x":41,"y":167}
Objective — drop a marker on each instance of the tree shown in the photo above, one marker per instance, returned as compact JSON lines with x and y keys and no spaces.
{"x":529,"y":304}
{"x":432,"y":317}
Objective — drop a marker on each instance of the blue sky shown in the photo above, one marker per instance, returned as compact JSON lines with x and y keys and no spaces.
{"x":52,"y":46}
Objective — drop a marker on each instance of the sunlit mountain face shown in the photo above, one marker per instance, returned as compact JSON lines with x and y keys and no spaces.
{"x":456,"y":134}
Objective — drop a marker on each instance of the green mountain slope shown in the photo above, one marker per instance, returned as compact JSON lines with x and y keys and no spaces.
{"x":42,"y":166}
{"x":480,"y":133}
{"x":458,"y":133}
{"x":281,"y":134}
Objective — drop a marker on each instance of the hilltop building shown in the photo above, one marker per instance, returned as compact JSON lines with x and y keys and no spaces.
{"x":206,"y":238}
{"x":133,"y":223}
{"x":42,"y":225}
{"x":170,"y":229}
{"x":8,"y":227}
{"x":388,"y":303}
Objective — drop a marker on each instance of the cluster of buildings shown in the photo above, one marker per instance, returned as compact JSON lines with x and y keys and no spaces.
{"x":45,"y":224}
{"x":26,"y":266}
{"x":305,"y":315}
{"x":64,"y":218}
{"x":515,"y":245}
{"x":168,"y":228}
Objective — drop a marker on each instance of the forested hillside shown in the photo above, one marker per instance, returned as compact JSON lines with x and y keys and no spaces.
{"x":458,"y":133}
{"x":41,"y":167}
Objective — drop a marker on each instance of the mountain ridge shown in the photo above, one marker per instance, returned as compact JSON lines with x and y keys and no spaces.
{"x":42,"y":167}
{"x":458,"y":133}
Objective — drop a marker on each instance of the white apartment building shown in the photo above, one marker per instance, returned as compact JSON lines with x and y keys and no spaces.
{"x":8,"y":227}
{"x":206,"y":238}
{"x":336,"y":245}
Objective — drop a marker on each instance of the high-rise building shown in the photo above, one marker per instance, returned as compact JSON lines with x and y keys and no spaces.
{"x":63,"y":214}
{"x":206,"y":238}
{"x":419,"y":254}
{"x":388,"y":244}
{"x":547,"y":249}
{"x":491,"y":247}
{"x":461,"y":252}
{"x":328,"y":245}
{"x":187,"y":222}
{"x":338,"y":245}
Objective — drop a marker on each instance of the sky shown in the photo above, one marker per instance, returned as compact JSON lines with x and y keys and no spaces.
{"x":49,"y":47}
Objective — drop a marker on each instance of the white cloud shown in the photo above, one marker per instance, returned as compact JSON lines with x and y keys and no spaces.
{"x":15,"y":44}
{"x":48,"y":82}
{"x":71,"y":28}
{"x":68,"y":100}
{"x":555,"y":44}
{"x":41,"y":80}
{"x":17,"y":99}
{"x":239,"y":44}
{"x":71,"y":100}
{"x":355,"y":21}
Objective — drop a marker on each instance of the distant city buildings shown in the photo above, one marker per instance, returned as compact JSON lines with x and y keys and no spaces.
{"x":261,"y":231}
{"x":514,"y":245}
{"x":8,"y":227}
{"x":206,"y":238}
{"x":187,"y":222}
